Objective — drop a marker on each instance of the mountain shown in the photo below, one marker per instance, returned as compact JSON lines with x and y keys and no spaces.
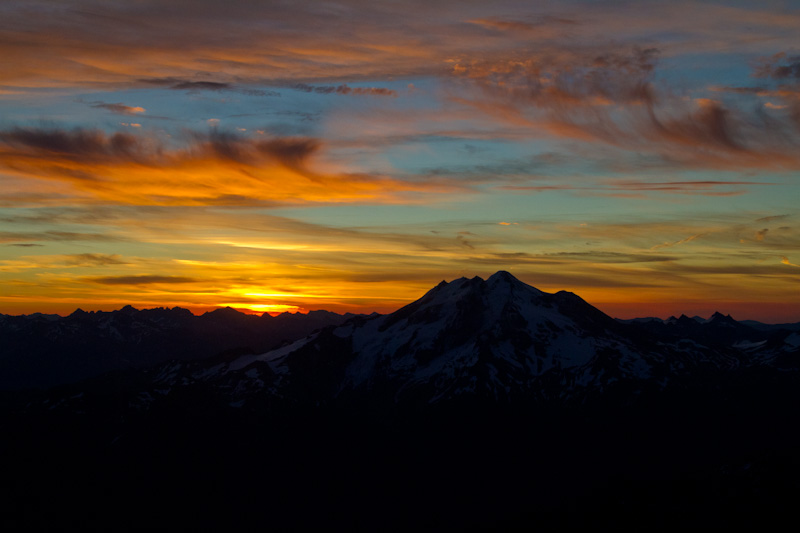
{"x":500,"y":339}
{"x":468,"y":337}
{"x":484,"y":404}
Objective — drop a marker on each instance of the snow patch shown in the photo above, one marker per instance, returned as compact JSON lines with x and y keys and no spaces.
{"x":745,"y":345}
{"x":268,"y":357}
{"x":793,"y":340}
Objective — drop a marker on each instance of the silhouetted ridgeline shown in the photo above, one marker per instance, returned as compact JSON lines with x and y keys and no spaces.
{"x":44,"y":350}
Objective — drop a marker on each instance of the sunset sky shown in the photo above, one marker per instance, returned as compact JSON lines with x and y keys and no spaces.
{"x":350,"y":155}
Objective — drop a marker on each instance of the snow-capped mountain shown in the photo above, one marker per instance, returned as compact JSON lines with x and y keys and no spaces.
{"x":466,"y":337}
{"x":497,"y":338}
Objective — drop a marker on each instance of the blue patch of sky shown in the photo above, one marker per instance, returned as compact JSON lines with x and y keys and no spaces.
{"x":702,"y":70}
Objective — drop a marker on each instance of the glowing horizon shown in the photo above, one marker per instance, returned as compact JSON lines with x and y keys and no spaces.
{"x":350,"y":155}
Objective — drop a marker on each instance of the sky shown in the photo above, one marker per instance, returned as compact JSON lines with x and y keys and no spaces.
{"x":291,"y":156}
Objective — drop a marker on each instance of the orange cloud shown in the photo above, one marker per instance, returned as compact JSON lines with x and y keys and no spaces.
{"x":216,"y":168}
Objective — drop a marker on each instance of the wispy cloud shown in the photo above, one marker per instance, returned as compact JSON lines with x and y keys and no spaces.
{"x":117,"y":43}
{"x":613,"y":96}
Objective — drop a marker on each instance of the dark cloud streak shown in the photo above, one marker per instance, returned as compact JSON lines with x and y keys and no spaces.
{"x":79,"y":143}
{"x":702,"y":188}
{"x":780,"y":66}
{"x":176,"y":84}
{"x":141,"y":280}
{"x":344,"y":89}
{"x":119,"y":108}
{"x":56,"y":236}
{"x":94,"y":259}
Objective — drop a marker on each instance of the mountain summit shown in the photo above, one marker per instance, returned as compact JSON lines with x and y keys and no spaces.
{"x":492,"y":337}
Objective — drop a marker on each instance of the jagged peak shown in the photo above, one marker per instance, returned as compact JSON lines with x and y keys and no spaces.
{"x":500,"y":281}
{"x":502,"y":275}
{"x":719,"y":318}
{"x":503,"y":278}
{"x":223,"y":311}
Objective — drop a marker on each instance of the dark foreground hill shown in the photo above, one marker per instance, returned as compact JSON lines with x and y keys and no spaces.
{"x":485,"y":404}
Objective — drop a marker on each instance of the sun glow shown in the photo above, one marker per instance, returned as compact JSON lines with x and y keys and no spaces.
{"x":272,"y":309}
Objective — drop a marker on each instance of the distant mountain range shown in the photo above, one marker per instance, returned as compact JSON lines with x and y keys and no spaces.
{"x":41,"y":350}
{"x":485,"y":403}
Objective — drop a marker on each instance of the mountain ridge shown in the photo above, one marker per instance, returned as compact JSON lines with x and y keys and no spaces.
{"x":505,"y":338}
{"x":44,"y":350}
{"x":47,"y":350}
{"x":485,"y":403}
